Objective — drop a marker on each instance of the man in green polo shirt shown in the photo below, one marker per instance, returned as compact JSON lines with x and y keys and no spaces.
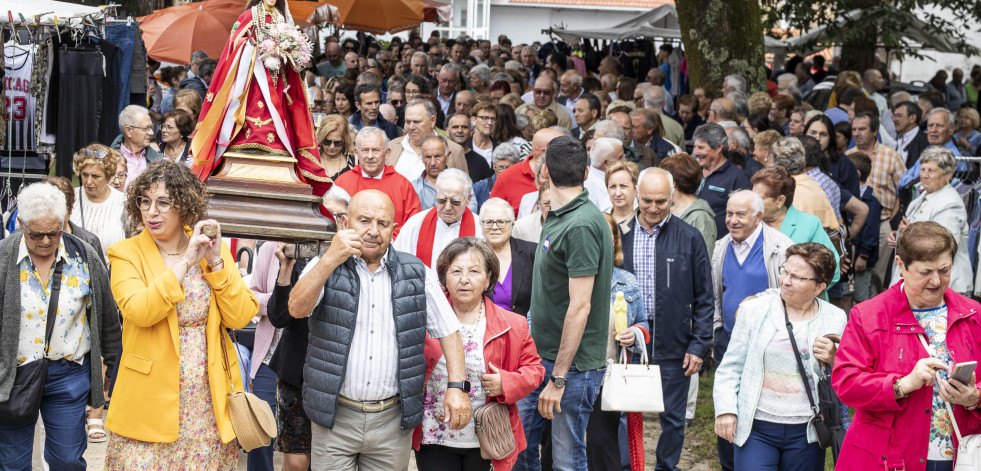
{"x":570,"y":311}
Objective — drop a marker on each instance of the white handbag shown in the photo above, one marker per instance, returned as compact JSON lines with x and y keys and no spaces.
{"x":969,"y":447}
{"x":632,"y":387}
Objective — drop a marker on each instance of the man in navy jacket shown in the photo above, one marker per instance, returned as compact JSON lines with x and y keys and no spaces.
{"x":668,"y":257}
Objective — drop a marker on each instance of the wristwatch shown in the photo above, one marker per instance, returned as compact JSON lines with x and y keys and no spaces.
{"x":558,"y":381}
{"x":463,"y":385}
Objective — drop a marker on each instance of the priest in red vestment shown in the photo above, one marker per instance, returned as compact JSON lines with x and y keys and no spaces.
{"x":426,"y":234}
{"x":257,"y":104}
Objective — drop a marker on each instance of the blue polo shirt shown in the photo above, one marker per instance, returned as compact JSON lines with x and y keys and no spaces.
{"x":717,"y":187}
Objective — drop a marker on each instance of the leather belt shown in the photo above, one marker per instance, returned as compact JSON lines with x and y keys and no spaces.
{"x":369,"y":406}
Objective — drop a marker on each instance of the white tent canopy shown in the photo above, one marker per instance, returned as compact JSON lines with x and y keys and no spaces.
{"x":46,"y":9}
{"x":660,"y":22}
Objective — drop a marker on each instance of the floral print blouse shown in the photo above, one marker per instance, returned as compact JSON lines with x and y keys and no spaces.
{"x":70,"y":337}
{"x":434,"y":430}
{"x":934,"y":323}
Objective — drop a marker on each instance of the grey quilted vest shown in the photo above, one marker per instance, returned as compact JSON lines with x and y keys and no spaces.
{"x":332,"y":328}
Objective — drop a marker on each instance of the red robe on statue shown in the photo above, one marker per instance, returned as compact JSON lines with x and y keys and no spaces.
{"x":249,"y":108}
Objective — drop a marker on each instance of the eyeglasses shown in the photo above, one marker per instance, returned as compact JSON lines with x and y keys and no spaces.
{"x":319,"y":102}
{"x":331,"y":142}
{"x":490,"y":223}
{"x":442,"y":201}
{"x":487,"y":119}
{"x":163,"y":206}
{"x":99,"y":154}
{"x":395,"y":102}
{"x":795,"y":279}
{"x":117,"y":177}
{"x":39,"y":236}
{"x":146,"y":129}
{"x":543,"y":92}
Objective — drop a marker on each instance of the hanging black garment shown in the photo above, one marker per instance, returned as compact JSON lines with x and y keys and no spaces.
{"x":80,"y":103}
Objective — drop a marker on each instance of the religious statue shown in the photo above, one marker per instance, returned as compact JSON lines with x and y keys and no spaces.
{"x":256,"y":103}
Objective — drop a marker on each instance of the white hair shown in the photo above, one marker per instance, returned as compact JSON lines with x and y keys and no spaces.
{"x":788,"y":78}
{"x":757,"y":200}
{"x":512,"y":65}
{"x":336,"y":193}
{"x":458,"y":175}
{"x":654,"y":97}
{"x":498,"y":202}
{"x":371,"y":131}
{"x":602,"y":148}
{"x":41,"y":200}
{"x":658,"y":170}
{"x":609,"y":128}
{"x":506,"y":151}
{"x":130,"y":116}
{"x":951,"y":121}
{"x":736,"y":81}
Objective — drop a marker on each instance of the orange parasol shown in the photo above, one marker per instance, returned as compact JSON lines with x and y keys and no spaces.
{"x":379,"y":16}
{"x":173,"y":34}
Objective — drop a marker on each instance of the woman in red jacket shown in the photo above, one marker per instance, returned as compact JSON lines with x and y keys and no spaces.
{"x":501,"y":359}
{"x":883,"y":370}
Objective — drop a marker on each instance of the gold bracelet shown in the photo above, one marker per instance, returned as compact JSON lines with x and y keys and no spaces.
{"x":215,"y":264}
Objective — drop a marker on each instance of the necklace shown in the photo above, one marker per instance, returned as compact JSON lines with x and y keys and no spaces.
{"x":471,"y":326}
{"x":180,"y":251}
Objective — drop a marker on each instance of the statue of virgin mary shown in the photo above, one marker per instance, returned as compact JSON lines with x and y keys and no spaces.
{"x":256,"y":102}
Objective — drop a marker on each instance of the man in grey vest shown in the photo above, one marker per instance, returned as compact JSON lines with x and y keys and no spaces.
{"x":364,"y":370}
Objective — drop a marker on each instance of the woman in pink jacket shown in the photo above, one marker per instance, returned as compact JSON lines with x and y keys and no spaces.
{"x":883,"y":370}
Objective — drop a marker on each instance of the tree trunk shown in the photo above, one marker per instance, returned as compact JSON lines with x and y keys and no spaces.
{"x":722,"y":37}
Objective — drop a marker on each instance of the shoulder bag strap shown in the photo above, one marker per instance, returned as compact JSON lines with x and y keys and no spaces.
{"x":800,"y":364}
{"x":53,"y":303}
{"x":950,"y":410}
{"x":224,"y":357}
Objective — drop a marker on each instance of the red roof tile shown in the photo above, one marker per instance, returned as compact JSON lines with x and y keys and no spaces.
{"x":602,"y":3}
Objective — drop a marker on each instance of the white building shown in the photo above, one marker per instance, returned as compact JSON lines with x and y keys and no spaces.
{"x":524,"y":20}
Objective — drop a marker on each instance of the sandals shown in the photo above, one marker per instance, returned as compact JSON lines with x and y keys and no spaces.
{"x":96,"y":427}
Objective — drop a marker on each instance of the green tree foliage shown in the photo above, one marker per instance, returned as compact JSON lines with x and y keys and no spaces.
{"x":884,"y":24}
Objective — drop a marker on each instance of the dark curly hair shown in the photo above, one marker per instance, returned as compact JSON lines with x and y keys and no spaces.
{"x":187,"y":192}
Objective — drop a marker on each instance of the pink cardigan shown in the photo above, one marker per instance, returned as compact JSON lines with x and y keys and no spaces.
{"x":261,"y":283}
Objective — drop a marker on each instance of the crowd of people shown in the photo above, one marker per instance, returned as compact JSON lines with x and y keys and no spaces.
{"x":492,"y":202}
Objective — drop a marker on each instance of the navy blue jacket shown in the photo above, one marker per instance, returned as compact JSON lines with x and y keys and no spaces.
{"x":868,"y":241}
{"x":717,"y":187}
{"x":391,"y":130}
{"x":683,"y":305}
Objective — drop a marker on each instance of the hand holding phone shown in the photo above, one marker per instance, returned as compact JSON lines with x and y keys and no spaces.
{"x":962,"y":372}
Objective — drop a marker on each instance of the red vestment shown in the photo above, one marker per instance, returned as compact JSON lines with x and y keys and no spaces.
{"x":248,"y":108}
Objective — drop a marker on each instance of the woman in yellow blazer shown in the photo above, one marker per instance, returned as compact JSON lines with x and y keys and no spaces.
{"x":177,"y":290}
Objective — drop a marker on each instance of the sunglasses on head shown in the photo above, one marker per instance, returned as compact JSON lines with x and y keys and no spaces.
{"x":99,"y":154}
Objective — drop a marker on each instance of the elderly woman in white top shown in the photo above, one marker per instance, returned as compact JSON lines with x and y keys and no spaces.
{"x":760,"y":403}
{"x":940,"y":202}
{"x":99,"y":208}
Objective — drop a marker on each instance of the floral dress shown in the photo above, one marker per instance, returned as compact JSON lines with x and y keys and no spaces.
{"x":198,"y":444}
{"x":434,"y":430}
{"x":934,"y":323}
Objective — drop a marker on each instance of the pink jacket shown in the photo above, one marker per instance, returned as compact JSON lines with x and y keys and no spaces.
{"x":508,"y":345}
{"x":879,"y":346}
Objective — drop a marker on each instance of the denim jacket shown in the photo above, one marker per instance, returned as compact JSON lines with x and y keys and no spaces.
{"x":625,"y":281}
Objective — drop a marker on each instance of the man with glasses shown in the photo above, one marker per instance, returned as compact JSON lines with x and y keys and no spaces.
{"x":544,"y":99}
{"x":59,"y":310}
{"x":333,"y":66}
{"x":134,"y":141}
{"x":367,"y":97}
{"x":427,"y":233}
{"x":371,"y":173}
{"x":745,"y":262}
{"x":405,"y":153}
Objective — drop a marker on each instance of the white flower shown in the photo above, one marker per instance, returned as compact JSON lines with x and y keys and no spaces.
{"x":272,"y":64}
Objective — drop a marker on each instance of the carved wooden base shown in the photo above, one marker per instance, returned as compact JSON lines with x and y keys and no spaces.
{"x":257,"y":196}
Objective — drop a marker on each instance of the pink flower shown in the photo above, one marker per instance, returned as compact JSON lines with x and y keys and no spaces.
{"x":268,"y":44}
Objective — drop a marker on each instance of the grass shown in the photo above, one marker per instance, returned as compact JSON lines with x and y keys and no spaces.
{"x":702,"y":428}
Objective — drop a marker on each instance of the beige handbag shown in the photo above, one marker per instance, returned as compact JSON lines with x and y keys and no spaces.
{"x":252,"y":418}
{"x":492,"y":423}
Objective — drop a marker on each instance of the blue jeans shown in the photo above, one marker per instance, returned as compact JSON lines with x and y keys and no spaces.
{"x":675,"y":385}
{"x":66,"y":392}
{"x":781,"y":447}
{"x":568,"y":427}
{"x":940,"y":466}
{"x":264,"y":386}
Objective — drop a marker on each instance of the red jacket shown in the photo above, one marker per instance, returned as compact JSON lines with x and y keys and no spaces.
{"x":400,"y":190}
{"x":508,"y":345}
{"x":879,"y":346}
{"x":515,"y":182}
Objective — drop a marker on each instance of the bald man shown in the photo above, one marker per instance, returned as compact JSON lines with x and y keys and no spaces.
{"x":520,"y":179}
{"x":364,"y":372}
{"x":334,"y":65}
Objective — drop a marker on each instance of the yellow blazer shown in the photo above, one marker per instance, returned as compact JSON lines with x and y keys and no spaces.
{"x":146,"y":396}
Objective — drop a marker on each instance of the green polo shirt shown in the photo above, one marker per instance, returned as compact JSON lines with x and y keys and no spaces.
{"x":575,"y":242}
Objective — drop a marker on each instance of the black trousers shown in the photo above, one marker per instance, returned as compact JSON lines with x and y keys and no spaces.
{"x":445,"y":458}
{"x":603,"y":446}
{"x":724,"y":447}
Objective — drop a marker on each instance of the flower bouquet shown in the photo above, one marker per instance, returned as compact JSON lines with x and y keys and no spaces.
{"x":281,"y":43}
